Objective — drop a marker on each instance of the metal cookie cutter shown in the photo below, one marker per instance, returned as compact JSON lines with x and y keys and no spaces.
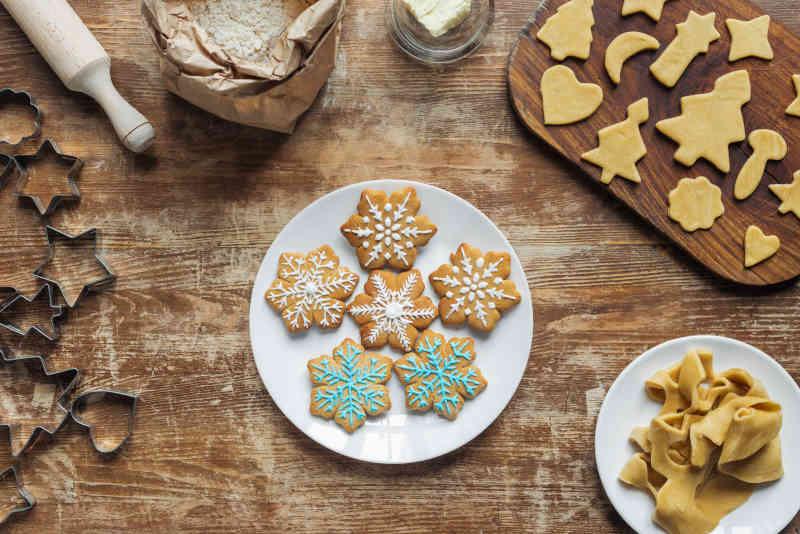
{"x":30,"y":500}
{"x":91,"y":397}
{"x":48,"y":148}
{"x":66,"y":379}
{"x":53,"y":235}
{"x":58,"y":311}
{"x":10,"y":96}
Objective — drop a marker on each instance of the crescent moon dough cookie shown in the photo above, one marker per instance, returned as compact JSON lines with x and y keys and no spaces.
{"x":623,"y":47}
{"x":311,"y":289}
{"x":473,"y":287}
{"x":715,"y":439}
{"x":439,"y":374}
{"x":391,"y":309}
{"x":388,"y":230}
{"x":349,"y":386}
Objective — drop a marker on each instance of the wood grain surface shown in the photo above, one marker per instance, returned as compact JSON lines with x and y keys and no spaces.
{"x":186,"y":227}
{"x":722,"y":247}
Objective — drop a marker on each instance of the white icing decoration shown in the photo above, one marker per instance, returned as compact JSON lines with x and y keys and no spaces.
{"x":308,"y":283}
{"x":392,"y":311}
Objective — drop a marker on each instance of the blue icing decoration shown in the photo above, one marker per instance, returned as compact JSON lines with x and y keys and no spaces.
{"x":434,"y":377}
{"x":346,"y":385}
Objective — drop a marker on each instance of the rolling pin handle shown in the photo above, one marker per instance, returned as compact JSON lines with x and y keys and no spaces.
{"x":133,"y":128}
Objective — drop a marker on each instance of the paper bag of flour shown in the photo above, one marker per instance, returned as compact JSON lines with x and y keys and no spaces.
{"x":219,"y":55}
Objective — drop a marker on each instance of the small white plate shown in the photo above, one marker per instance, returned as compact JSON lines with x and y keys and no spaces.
{"x":626,"y":405}
{"x":397,"y":436}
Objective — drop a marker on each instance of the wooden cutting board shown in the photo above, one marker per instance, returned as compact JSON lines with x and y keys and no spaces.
{"x":721,"y":248}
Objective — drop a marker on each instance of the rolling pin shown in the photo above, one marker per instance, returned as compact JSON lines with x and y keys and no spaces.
{"x":80,"y":61}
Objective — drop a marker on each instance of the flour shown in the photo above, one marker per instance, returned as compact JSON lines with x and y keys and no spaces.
{"x":245,"y":29}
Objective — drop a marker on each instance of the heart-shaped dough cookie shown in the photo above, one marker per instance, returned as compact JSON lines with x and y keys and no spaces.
{"x":758,"y":247}
{"x":566,"y":100}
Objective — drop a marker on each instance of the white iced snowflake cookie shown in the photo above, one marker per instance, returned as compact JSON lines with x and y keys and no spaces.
{"x":387,"y":230}
{"x":311,"y":289}
{"x":392,"y":309}
{"x":473,"y":287}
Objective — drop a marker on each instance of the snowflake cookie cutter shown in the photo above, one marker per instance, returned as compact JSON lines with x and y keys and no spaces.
{"x":66,"y":379}
{"x":53,"y":235}
{"x":48,"y":148}
{"x":99,"y":395}
{"x":10,"y":96}
{"x":58,"y":312}
{"x":30,"y":500}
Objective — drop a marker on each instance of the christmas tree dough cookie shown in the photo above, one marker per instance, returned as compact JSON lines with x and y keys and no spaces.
{"x":621,"y":146}
{"x":694,"y":37}
{"x":767,"y":145}
{"x":759,"y":247}
{"x":695,"y":204}
{"x":569,"y":31}
{"x":794,"y":107}
{"x":566,"y":100}
{"x":625,"y":46}
{"x":652,"y":8}
{"x":789,"y":195}
{"x":749,"y":38}
{"x":710,"y":122}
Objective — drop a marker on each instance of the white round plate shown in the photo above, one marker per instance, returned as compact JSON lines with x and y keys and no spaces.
{"x":397,"y":436}
{"x":626,"y":405}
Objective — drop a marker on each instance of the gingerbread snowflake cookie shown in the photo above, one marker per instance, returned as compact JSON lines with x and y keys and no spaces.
{"x":392,"y":309}
{"x":439,"y":374}
{"x":311,"y":289}
{"x":473,"y":287}
{"x":387,"y":230}
{"x":350,"y":385}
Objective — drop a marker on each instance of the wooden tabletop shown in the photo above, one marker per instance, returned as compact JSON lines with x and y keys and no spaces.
{"x":186,"y":227}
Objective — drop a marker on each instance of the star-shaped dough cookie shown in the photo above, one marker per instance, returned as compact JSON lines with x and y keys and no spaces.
{"x":789,"y":195}
{"x":652,"y":8}
{"x":794,"y":108}
{"x":749,"y":38}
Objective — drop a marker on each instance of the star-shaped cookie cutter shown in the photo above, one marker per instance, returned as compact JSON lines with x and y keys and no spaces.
{"x":26,"y":99}
{"x":98,"y":395}
{"x":39,"y":329}
{"x":25,"y":160}
{"x":67,"y":378}
{"x":54,"y":234}
{"x":30,"y":500}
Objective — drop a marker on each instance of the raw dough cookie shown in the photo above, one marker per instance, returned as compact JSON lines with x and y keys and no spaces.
{"x":710,"y":122}
{"x":350,"y":385}
{"x":759,"y":247}
{"x":794,"y":107}
{"x":767,"y":145}
{"x":623,"y":47}
{"x":694,"y":37}
{"x":311,"y":289}
{"x":621,"y":146}
{"x":569,"y":31}
{"x":749,"y":38}
{"x":695,"y":204}
{"x":564,"y":99}
{"x":392,"y":309}
{"x":438,"y":374}
{"x":652,"y":8}
{"x":388,"y":230}
{"x":789,"y":195}
{"x":473,"y":287}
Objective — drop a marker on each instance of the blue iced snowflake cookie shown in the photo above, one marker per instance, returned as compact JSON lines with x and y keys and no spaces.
{"x":439,"y":374}
{"x":349,"y":386}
